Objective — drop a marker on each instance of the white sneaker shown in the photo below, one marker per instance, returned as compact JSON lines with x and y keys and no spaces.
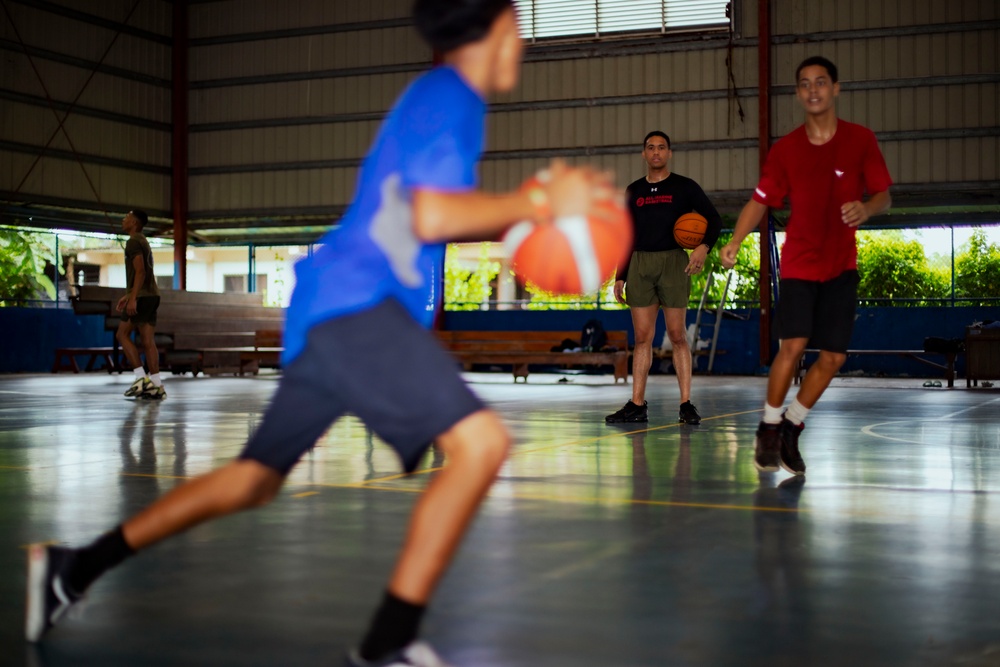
{"x":414,"y":654}
{"x":152,"y":392}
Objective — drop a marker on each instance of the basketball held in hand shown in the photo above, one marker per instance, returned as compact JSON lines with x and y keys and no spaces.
{"x":571,"y":255}
{"x":689,"y":230}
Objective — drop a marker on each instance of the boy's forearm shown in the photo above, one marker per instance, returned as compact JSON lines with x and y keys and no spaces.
{"x":444,"y":216}
{"x":749,"y":219}
{"x":140,"y":280}
{"x":880,"y":202}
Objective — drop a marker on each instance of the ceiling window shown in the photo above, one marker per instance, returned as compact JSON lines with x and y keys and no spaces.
{"x":542,"y":19}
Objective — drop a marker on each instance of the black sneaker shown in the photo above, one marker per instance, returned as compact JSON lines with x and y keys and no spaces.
{"x":49,"y":598}
{"x":767,"y":447}
{"x":791,"y":460}
{"x":415,"y":654}
{"x":630,"y":413}
{"x":689,"y":414}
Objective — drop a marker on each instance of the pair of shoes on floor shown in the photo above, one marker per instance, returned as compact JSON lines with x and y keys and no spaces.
{"x":49,"y":596}
{"x":414,"y":654}
{"x":933,"y":383}
{"x":632,"y":413}
{"x":777,"y":446}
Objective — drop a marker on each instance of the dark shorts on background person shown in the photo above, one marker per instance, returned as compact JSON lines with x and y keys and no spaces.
{"x":379,"y":365}
{"x":145,"y":310}
{"x":658,"y":278}
{"x":823,"y":312}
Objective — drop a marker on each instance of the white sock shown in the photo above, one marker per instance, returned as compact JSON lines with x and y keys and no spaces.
{"x":155,"y":377}
{"x":139,"y":372}
{"x":796,"y":412}
{"x":772,"y":415}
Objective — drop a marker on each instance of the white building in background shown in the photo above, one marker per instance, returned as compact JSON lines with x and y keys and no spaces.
{"x":209,"y":269}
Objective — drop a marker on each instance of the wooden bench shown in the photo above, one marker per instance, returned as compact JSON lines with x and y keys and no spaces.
{"x":918,"y":355}
{"x":66,"y":358}
{"x":266,"y":352}
{"x":195,"y":331}
{"x":520,"y":349}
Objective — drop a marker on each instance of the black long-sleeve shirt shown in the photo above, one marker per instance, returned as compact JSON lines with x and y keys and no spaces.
{"x":655,"y":207}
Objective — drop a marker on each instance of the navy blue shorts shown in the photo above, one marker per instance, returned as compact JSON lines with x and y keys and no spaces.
{"x":379,"y":365}
{"x":823,"y":312}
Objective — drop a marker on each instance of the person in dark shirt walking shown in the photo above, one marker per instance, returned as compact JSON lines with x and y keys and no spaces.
{"x":138,"y":308}
{"x":658,"y":274}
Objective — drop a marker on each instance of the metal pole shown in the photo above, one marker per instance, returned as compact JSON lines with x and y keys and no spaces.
{"x":764,"y":143}
{"x":180,"y":141}
{"x":251,"y":270}
{"x":952,"y":266}
{"x":56,"y":260}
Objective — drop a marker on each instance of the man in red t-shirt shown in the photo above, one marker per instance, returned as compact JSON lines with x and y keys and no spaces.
{"x":824,"y":167}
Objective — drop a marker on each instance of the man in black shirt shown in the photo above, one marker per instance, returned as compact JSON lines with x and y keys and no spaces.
{"x":659,"y":272}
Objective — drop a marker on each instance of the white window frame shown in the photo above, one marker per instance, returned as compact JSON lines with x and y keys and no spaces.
{"x":546,"y":20}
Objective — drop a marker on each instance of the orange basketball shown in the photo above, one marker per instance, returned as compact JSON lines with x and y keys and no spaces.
{"x":573,"y":255}
{"x":689,"y":230}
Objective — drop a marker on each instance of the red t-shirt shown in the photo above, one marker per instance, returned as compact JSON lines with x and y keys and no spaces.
{"x":818,"y":180}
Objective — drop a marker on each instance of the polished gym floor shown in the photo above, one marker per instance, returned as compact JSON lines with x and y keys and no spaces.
{"x":650,"y":545}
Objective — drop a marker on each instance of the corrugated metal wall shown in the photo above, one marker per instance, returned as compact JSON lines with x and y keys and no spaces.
{"x":114,"y":152}
{"x":286,"y":97}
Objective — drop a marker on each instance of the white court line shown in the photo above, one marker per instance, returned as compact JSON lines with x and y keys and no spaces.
{"x":868,"y":430}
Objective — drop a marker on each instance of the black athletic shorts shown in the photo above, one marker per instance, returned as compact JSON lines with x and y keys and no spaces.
{"x":823,"y":312}
{"x":379,"y":365}
{"x":145,"y":310}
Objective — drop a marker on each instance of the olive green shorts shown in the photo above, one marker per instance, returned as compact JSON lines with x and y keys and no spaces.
{"x":658,"y":278}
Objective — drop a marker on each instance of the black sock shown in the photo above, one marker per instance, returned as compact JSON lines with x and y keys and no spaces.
{"x":92,"y":561}
{"x":394,"y":626}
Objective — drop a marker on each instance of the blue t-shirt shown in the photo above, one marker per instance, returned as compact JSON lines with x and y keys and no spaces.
{"x":432,"y":138}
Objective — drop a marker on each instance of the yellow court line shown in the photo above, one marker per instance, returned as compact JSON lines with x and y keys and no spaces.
{"x":572,"y":443}
{"x":152,"y":475}
{"x":578,"y":500}
{"x":305,"y":494}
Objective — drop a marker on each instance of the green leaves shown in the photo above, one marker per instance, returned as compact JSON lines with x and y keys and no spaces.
{"x":977,"y":270}
{"x":23,"y":256}
{"x":896,"y":272}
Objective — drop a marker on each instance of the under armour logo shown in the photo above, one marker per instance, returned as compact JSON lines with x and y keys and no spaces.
{"x":838,"y":172}
{"x":652,"y":189}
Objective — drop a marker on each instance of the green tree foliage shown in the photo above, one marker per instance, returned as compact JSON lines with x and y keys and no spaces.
{"x":542,"y":300}
{"x":465,"y":288}
{"x":744,"y":288}
{"x":977,"y":270}
{"x":896,"y":272}
{"x":22,"y":267}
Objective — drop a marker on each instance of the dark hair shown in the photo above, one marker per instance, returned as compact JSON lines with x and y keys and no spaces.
{"x":140,"y":216}
{"x":448,"y":24}
{"x":656,"y":133}
{"x":831,"y":69}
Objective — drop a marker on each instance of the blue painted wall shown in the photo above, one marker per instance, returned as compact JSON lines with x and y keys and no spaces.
{"x":30,"y":336}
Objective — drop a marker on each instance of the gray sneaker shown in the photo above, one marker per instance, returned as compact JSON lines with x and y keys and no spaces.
{"x":415,"y":654}
{"x":49,"y":598}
